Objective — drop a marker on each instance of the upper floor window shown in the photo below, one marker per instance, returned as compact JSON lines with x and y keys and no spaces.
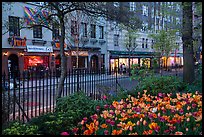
{"x":93,"y":31}
{"x":143,"y":42}
{"x":116,"y":39}
{"x":144,"y":10}
{"x":14,"y":29}
{"x":55,"y":32}
{"x":144,"y":26}
{"x":73,"y":27}
{"x":178,"y":20}
{"x":152,"y":44}
{"x":132,"y":6}
{"x":84,"y":29}
{"x":101,"y":30}
{"x":37,"y":32}
{"x":146,"y":42}
{"x":116,"y":4}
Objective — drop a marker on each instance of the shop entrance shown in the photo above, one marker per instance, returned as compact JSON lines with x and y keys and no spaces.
{"x":94,"y":63}
{"x":13,"y":67}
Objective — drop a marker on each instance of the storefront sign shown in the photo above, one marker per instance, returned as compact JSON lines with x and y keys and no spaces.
{"x":31,"y":48}
{"x":80,"y":53}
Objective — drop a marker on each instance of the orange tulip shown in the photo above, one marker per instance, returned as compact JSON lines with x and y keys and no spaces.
{"x":179,"y":133}
{"x":116,"y":132}
{"x":104,"y":126}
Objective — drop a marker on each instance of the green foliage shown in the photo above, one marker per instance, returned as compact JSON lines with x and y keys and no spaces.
{"x":160,"y":84}
{"x":79,"y":102}
{"x":54,"y":123}
{"x":17,"y":128}
{"x":139,"y":72}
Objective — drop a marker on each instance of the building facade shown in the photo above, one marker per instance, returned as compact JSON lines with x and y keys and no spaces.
{"x":153,"y":19}
{"x":38,"y":48}
{"x":99,"y":44}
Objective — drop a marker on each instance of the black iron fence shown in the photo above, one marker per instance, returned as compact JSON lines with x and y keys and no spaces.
{"x":30,"y":94}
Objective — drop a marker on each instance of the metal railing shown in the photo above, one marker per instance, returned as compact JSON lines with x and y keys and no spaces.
{"x":26,"y":95}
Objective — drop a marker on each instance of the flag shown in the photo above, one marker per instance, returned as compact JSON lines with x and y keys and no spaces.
{"x":36,"y":16}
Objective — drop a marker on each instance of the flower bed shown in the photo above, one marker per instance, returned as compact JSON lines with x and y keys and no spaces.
{"x":146,"y":115}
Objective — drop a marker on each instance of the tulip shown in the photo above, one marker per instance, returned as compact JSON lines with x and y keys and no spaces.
{"x":112,"y":123}
{"x":64,"y":133}
{"x":104,"y":97}
{"x":106,"y":132}
{"x":144,"y":122}
{"x":97,"y":108}
{"x":106,"y":106}
{"x":179,"y":133}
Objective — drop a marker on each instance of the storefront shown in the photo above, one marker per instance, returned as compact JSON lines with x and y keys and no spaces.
{"x":172,"y":60}
{"x":122,"y":57}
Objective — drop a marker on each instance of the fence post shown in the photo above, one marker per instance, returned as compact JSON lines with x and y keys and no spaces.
{"x":116,"y":79}
{"x":77,"y":71}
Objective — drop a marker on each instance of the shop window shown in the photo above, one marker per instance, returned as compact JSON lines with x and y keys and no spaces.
{"x":37,"y":32}
{"x":14,"y":29}
{"x":35,"y":63}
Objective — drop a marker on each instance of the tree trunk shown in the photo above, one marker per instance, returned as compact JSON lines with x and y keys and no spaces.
{"x":188,"y":69}
{"x":63,"y":59}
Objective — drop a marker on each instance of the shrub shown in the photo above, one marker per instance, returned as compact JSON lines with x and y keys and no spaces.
{"x":77,"y":102}
{"x":156,"y":84}
{"x":54,"y":123}
{"x":18,"y":128}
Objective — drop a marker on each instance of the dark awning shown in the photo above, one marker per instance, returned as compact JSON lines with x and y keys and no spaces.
{"x":132,"y":53}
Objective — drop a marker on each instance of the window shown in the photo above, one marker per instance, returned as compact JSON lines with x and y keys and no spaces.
{"x":178,"y":20}
{"x":116,"y":38}
{"x":152,"y":44}
{"x":146,"y":42}
{"x":134,"y":42}
{"x":14,"y":29}
{"x":37,"y":32}
{"x":101,"y":32}
{"x":73,"y":28}
{"x":142,"y":42}
{"x":55,"y":32}
{"x":93,"y":31}
{"x":84,"y":29}
{"x":132,"y":6}
{"x":116,"y":4}
{"x":144,"y":10}
{"x":144,"y":26}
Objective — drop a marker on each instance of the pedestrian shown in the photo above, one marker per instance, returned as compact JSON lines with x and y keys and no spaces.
{"x":124,"y":68}
{"x":121,"y":68}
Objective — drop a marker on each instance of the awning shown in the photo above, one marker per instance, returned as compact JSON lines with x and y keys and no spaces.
{"x":132,"y":53}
